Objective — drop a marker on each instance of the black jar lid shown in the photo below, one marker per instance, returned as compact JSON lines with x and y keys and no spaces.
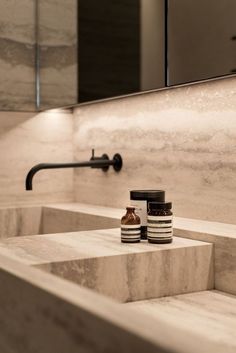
{"x":155,"y":195}
{"x":160,"y":206}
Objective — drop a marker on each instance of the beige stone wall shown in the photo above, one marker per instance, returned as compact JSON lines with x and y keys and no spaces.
{"x":182,"y":140}
{"x":27,"y":139}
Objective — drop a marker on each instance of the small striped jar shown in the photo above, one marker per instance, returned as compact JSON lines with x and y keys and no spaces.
{"x":160,"y":222}
{"x":130,"y":226}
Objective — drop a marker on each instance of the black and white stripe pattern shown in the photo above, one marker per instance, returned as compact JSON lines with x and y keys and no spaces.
{"x":130,"y":233}
{"x":160,"y":229}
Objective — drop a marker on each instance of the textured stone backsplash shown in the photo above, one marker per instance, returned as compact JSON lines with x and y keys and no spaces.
{"x":27,"y":139}
{"x":182,"y":140}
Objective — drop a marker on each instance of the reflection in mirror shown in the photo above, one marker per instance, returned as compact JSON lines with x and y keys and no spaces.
{"x":201,"y":39}
{"x":57,"y":47}
{"x":121,"y":49}
{"x":91,"y":50}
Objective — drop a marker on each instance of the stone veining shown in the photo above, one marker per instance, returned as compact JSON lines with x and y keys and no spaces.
{"x":181,"y":140}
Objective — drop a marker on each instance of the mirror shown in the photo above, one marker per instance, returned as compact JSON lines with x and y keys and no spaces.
{"x":91,"y":50}
{"x":17,"y":55}
{"x":201,"y":40}
{"x":57,"y":36}
{"x":121,"y":47}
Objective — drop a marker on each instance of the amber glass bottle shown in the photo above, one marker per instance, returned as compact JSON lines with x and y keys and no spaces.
{"x":130,"y":226}
{"x":159,"y":226}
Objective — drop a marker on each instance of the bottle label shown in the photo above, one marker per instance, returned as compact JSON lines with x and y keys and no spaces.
{"x":130,"y":233}
{"x":140,"y":210}
{"x":159,"y":227}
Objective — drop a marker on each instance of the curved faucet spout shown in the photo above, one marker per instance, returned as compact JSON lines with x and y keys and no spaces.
{"x":31,"y":173}
{"x":102,"y":162}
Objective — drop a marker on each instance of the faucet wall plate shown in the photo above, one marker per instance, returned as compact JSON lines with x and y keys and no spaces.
{"x":118,"y":162}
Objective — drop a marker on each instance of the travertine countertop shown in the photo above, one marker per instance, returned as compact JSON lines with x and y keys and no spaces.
{"x":126,"y":272}
{"x":222,"y":235}
{"x":44,"y":313}
{"x":48,"y":248}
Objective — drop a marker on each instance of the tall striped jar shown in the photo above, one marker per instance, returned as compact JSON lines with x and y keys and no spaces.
{"x":160,"y":222}
{"x":130,"y":226}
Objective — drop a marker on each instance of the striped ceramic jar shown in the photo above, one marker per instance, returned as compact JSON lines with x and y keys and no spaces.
{"x":160,"y":223}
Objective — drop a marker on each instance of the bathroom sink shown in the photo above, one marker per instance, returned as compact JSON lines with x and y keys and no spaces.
{"x":22,"y":221}
{"x":157,"y":283}
{"x":97,"y":259}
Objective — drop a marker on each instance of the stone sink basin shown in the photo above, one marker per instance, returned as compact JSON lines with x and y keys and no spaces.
{"x":22,"y":221}
{"x":96,"y":259}
{"x":126,"y":272}
{"x":163,"y":288}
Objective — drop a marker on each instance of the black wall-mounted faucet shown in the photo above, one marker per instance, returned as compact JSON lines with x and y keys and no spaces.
{"x":102,"y":162}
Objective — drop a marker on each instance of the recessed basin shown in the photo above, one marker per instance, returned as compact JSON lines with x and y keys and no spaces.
{"x":97,"y":259}
{"x":22,"y":221}
{"x":160,"y":283}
